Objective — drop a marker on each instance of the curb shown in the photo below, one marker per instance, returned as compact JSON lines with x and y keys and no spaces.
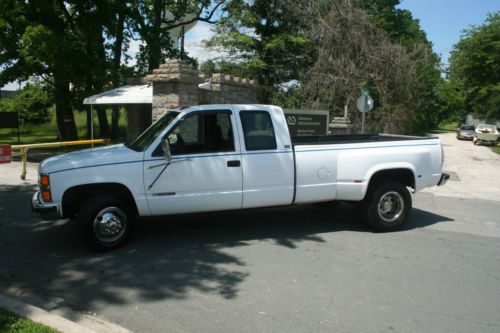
{"x":46,"y":318}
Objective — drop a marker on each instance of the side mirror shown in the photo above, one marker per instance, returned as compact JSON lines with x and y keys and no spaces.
{"x":165,"y":146}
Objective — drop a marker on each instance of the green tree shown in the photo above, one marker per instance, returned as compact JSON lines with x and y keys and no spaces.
{"x":76,"y":46}
{"x":264,"y":40}
{"x":152,"y":20}
{"x":475,"y":68}
{"x":33,"y":104}
{"x":36,"y":40}
{"x":427,"y":86}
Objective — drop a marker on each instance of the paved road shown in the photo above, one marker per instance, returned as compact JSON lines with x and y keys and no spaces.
{"x":299,"y":269}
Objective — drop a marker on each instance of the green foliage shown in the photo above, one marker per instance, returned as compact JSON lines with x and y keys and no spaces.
{"x":47,"y":132}
{"x":12,"y":323}
{"x":266,"y":41}
{"x":427,"y":101}
{"x":475,"y":68}
{"x":209,"y":67}
{"x":80,"y":44}
{"x":33,"y":104}
{"x":399,"y":24}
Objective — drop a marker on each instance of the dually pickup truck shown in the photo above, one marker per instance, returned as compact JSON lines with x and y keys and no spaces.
{"x":228,"y":157}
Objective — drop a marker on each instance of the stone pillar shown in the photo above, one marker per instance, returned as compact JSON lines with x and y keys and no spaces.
{"x":175,"y":84}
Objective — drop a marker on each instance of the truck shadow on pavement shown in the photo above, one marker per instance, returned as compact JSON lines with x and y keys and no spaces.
{"x":167,"y":257}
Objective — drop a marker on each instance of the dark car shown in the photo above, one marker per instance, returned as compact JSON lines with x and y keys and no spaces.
{"x":465,"y":132}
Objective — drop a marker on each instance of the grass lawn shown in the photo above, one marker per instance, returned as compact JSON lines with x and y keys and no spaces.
{"x":12,"y":323}
{"x":48,"y":132}
{"x":496,"y":149}
{"x":447,"y":127}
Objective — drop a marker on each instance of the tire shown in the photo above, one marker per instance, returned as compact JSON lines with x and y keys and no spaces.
{"x":114,"y":232}
{"x":387,"y":206}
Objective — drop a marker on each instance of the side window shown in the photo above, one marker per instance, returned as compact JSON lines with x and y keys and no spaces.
{"x":202,"y":133}
{"x":258,"y":130}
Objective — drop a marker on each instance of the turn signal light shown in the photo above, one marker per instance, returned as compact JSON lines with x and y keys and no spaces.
{"x":44,"y":180}
{"x":46,"y":196}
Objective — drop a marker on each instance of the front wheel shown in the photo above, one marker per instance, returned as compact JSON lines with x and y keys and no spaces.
{"x":105,"y":222}
{"x":387,"y":206}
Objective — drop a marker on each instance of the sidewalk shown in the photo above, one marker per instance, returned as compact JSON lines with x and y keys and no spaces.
{"x":10,"y":174}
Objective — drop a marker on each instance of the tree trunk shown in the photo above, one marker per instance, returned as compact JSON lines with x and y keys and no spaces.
{"x":95,"y":42}
{"x":115,"y":119}
{"x":64,"y":112}
{"x":117,"y":54}
{"x":154,"y":55}
{"x":89,"y":123}
{"x":103,"y":122}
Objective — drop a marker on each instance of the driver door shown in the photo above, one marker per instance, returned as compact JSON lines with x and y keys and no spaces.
{"x":205,"y":173}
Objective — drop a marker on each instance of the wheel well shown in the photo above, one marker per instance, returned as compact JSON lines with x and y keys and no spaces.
{"x":402,"y":176}
{"x":77,"y":195}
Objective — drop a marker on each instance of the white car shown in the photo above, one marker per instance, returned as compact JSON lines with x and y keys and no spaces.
{"x":485,"y":133}
{"x":227,"y":157}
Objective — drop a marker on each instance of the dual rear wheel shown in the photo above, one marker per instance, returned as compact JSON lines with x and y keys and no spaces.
{"x":387,"y":206}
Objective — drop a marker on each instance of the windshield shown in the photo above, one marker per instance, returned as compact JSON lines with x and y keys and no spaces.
{"x":149,"y":135}
{"x":467,"y":128}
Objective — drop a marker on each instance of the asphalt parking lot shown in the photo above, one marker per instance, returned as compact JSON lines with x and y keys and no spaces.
{"x":297,"y":269}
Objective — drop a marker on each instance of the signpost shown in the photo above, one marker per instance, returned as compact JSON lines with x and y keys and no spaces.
{"x":307,"y":122}
{"x":364,"y":104}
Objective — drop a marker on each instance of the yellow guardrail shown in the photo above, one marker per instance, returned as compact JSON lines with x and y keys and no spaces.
{"x":23,"y":149}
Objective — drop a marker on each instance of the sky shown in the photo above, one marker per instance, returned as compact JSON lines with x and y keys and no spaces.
{"x":442,"y":20}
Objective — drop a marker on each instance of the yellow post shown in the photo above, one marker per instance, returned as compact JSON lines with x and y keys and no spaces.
{"x":24,"y":158}
{"x":24,"y":149}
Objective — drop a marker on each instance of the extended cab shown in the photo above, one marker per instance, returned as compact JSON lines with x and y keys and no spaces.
{"x":227,"y":157}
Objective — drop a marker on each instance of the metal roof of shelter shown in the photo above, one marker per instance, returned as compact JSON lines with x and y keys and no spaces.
{"x":142,"y":94}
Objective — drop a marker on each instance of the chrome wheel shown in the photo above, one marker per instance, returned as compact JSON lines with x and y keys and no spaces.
{"x":390,"y":206}
{"x":109,"y":224}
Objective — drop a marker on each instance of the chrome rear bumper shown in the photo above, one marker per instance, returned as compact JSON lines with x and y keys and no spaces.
{"x":444,"y":178}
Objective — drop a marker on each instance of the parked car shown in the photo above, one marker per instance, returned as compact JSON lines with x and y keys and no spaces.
{"x":227,"y":157}
{"x":465,"y":132}
{"x":485,"y":133}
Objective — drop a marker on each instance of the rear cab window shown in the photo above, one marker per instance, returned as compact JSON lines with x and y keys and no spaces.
{"x":258,"y":130}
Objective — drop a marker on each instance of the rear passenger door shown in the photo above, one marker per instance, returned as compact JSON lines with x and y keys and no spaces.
{"x":267,"y":161}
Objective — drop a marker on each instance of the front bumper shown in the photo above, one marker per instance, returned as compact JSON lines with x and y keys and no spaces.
{"x":444,"y":178}
{"x":48,"y":211}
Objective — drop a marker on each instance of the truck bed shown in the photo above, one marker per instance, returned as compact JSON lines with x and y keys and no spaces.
{"x":352,"y":138}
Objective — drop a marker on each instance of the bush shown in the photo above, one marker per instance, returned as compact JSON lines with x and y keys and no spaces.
{"x":33,"y":104}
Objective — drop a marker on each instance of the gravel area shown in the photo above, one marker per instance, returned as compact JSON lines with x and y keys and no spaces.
{"x":10,"y":173}
{"x":474,"y":170}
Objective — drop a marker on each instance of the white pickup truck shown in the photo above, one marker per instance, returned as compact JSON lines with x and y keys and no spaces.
{"x":227,"y":157}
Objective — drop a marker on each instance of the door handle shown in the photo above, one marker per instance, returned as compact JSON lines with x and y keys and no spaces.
{"x":233,"y":164}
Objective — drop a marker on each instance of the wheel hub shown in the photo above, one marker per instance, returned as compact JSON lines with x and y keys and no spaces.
{"x":109,"y":224}
{"x":391,"y":206}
